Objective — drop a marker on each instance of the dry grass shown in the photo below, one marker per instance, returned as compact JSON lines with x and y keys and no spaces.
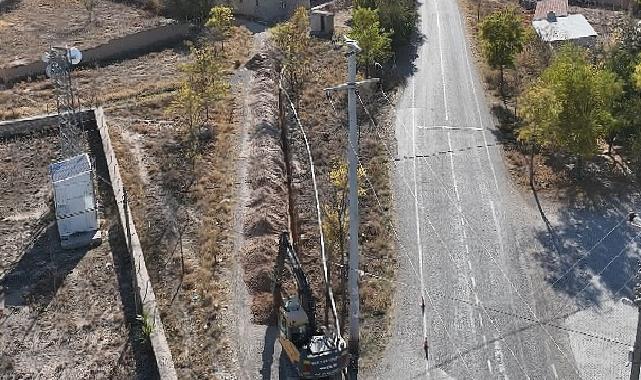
{"x":176,"y":201}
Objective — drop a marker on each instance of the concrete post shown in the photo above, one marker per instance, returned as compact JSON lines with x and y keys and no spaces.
{"x":352,"y":149}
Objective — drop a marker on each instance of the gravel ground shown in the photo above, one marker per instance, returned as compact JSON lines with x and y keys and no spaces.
{"x":28,"y":30}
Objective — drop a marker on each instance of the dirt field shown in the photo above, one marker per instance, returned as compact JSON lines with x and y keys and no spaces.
{"x":63,"y":314}
{"x":169,"y":198}
{"x":139,"y":87}
{"x":31,"y":26}
{"x":182,"y":211}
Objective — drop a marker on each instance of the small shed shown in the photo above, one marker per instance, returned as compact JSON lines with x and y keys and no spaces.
{"x":74,"y":196}
{"x":321,"y":22}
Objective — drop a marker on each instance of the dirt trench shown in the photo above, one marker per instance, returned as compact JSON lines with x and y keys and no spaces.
{"x":261,"y":213}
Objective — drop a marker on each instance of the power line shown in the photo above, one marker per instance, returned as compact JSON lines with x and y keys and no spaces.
{"x":588,"y":252}
{"x":508,"y":313}
{"x":472,"y":289}
{"x":318,"y":210}
{"x":416,"y":274}
{"x":486,"y":308}
{"x":601,"y":271}
{"x":494,"y":259}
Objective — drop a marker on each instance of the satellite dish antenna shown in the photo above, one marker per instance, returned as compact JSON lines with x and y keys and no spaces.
{"x":45,"y":57}
{"x":74,"y":55}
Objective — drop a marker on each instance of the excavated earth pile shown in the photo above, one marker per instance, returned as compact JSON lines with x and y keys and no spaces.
{"x":267,"y":215}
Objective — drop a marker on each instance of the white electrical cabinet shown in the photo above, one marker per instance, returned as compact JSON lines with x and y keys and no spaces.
{"x":74,"y":196}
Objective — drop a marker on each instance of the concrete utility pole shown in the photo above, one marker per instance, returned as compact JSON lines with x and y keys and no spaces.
{"x":352,"y":178}
{"x":636,"y":351}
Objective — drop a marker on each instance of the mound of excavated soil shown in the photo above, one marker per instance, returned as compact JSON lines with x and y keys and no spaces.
{"x":267,"y":205}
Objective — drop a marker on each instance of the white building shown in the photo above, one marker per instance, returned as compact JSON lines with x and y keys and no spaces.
{"x":571,"y":28}
{"x":74,"y":196}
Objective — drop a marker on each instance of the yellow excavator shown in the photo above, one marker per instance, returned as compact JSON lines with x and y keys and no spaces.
{"x":316,"y":352}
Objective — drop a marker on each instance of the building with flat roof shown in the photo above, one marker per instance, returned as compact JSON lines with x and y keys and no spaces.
{"x":570,"y":28}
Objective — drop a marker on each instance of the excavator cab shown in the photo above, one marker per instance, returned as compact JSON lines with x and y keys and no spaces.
{"x":316,"y":353}
{"x":294,"y":324}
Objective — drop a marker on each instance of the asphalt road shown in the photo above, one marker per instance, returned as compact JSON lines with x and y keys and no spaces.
{"x":467,"y":237}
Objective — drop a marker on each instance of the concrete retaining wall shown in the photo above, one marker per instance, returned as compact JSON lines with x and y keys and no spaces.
{"x":608,"y":4}
{"x":127,"y":46}
{"x":144,"y":289}
{"x":37,"y":124}
{"x":268,"y":10}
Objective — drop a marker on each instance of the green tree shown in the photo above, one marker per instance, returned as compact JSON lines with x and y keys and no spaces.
{"x":571,"y":107}
{"x":399,"y":17}
{"x":371,"y":4}
{"x":539,"y":117}
{"x":336,"y":220}
{"x":636,"y":76}
{"x":220,"y":22}
{"x":292,"y":41}
{"x":503,"y":36}
{"x":203,"y":85}
{"x":374,"y":41}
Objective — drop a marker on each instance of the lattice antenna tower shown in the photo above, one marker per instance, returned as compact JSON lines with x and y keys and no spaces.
{"x":59,"y":61}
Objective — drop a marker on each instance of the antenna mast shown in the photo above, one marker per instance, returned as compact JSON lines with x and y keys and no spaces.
{"x":59,"y":61}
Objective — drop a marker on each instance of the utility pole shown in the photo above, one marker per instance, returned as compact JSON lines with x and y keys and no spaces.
{"x":636,"y":350}
{"x":352,"y":179}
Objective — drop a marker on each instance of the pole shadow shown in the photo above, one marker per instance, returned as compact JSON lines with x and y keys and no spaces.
{"x":271,"y":335}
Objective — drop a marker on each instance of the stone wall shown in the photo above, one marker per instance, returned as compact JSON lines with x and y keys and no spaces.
{"x":128,"y":46}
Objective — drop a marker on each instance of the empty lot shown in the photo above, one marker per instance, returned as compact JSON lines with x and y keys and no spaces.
{"x":63,"y":313}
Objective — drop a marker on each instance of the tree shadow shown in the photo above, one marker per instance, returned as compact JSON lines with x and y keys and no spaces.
{"x":590,"y":251}
{"x":254,"y":26}
{"x":403,"y":65}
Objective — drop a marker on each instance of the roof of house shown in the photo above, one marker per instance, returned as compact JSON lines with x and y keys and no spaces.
{"x":70,"y":167}
{"x":571,"y":27}
{"x":543,"y":7}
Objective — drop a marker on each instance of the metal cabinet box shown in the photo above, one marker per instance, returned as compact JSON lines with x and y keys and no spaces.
{"x":74,"y":196}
